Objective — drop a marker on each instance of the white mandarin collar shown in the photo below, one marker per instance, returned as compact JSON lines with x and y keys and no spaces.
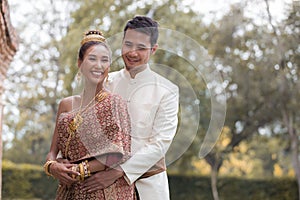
{"x":138,"y":76}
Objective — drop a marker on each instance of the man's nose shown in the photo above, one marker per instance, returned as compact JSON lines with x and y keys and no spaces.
{"x":133,"y":52}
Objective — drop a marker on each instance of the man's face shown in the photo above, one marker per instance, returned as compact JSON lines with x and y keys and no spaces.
{"x":136,"y":49}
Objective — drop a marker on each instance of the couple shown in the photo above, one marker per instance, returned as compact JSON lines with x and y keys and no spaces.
{"x":113,"y":137}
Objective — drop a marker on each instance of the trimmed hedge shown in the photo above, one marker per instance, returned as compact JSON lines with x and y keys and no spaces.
{"x":29,"y":182}
{"x":26,"y":181}
{"x":198,"y":188}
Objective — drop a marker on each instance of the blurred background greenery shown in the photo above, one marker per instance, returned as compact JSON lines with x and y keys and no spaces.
{"x":256,"y":53}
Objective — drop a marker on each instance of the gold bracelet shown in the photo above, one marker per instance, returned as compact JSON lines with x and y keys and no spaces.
{"x":47,"y":166}
{"x":87,"y":172}
{"x":81,"y":171}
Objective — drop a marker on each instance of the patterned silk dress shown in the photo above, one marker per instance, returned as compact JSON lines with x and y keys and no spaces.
{"x":104,"y":130}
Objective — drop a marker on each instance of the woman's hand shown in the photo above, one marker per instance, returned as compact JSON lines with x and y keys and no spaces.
{"x":63,"y":172}
{"x":63,"y":160}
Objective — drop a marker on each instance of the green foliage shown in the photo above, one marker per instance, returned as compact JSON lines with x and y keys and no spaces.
{"x":260,"y":77}
{"x":33,"y":85}
{"x":110,"y":17}
{"x":26,"y":181}
{"x":256,"y":88}
{"x":197,"y":188}
{"x":29,"y":182}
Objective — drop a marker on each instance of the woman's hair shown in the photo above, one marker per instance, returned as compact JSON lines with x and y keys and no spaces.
{"x":91,"y":38}
{"x":144,"y":25}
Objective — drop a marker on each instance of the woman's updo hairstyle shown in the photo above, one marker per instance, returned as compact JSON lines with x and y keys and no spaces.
{"x":91,"y":38}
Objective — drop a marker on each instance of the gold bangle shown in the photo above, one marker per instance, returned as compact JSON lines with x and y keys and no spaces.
{"x":81,"y":171}
{"x":87,"y":172}
{"x":47,"y":166}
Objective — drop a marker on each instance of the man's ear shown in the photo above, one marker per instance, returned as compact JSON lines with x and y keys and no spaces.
{"x":153,"y":49}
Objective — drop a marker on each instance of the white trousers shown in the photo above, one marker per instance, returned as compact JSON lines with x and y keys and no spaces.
{"x":155,"y":187}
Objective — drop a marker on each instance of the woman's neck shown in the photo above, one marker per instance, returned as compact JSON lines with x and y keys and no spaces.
{"x":89,"y":94}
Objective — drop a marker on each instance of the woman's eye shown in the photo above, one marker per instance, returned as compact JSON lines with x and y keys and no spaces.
{"x":128,"y":44}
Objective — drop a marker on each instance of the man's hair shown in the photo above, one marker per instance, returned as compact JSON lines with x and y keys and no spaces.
{"x":144,"y":25}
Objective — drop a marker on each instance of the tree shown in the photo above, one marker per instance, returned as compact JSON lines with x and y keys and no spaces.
{"x":287,"y":39}
{"x":34,"y":83}
{"x":243,"y":49}
{"x":8,"y":48}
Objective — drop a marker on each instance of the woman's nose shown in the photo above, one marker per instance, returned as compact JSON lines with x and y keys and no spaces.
{"x":99,"y":65}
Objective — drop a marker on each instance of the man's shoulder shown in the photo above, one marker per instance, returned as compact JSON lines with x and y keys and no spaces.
{"x":115,"y":75}
{"x":164,"y":81}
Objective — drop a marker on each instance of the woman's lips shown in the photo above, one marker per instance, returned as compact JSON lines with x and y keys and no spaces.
{"x":98,"y":73}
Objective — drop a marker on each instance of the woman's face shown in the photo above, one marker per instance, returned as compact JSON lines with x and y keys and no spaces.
{"x":95,"y":64}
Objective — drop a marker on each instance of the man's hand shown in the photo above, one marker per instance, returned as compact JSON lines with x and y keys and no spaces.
{"x":63,"y":160}
{"x":102,"y":179}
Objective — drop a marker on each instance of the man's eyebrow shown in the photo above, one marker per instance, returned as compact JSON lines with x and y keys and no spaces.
{"x":139,"y":44}
{"x":142,"y":45}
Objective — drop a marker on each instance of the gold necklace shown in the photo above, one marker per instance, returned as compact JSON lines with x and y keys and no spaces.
{"x":78,"y":119}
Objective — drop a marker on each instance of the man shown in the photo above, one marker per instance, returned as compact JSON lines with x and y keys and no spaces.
{"x":153,"y":106}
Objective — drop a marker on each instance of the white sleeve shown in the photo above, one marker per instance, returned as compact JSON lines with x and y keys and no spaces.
{"x":163,"y":132}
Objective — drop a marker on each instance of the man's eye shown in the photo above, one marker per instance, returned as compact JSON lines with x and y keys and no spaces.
{"x":142,"y":48}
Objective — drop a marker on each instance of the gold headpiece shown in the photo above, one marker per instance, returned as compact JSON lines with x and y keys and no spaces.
{"x":93,"y":35}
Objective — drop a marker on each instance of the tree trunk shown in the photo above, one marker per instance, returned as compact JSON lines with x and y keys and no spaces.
{"x":215,"y":163}
{"x":8,"y":48}
{"x":288,"y":120}
{"x":214,"y":181}
{"x":1,"y":108}
{"x":295,"y":159}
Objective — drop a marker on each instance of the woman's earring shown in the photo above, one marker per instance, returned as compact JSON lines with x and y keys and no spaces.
{"x":78,"y":76}
{"x":106,"y":81}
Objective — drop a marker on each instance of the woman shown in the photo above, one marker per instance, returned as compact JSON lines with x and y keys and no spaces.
{"x":92,"y":129}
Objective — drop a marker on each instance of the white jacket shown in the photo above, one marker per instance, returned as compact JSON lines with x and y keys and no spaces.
{"x":153,"y":106}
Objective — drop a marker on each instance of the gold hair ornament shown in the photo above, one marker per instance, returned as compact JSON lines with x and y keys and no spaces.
{"x":96,"y":36}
